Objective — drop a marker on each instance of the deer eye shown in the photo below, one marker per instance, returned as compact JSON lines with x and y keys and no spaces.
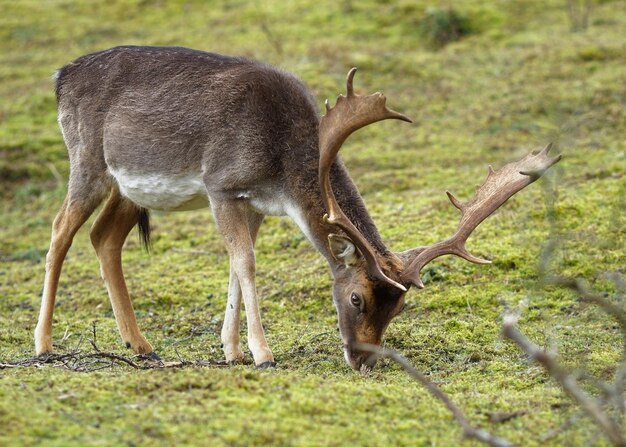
{"x":355,"y":300}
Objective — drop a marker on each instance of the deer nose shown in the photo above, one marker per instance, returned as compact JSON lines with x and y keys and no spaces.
{"x":359,"y":360}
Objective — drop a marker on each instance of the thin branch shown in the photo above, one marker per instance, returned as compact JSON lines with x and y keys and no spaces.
{"x":9,"y":365}
{"x":276,"y":43}
{"x":95,"y":338}
{"x":468,"y":430}
{"x":56,"y":174}
{"x":557,"y":431}
{"x":79,"y":361}
{"x":620,"y":381}
{"x":586,"y":294}
{"x":566,"y":380}
{"x":110,"y":355}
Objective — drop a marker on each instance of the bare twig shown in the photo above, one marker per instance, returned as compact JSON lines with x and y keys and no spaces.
{"x":468,"y":430}
{"x":91,"y":361}
{"x":93,"y":341}
{"x":276,"y":43}
{"x":620,"y":381}
{"x":578,"y":11}
{"x":109,"y":355}
{"x":66,"y":335}
{"x":56,"y":174}
{"x":565,"y":378}
{"x":586,"y":294}
{"x":9,"y":365}
{"x":557,"y":431}
{"x":617,"y":279}
{"x":499,"y":417}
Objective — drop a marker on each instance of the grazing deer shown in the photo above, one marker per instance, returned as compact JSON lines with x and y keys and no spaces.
{"x":178,"y":129}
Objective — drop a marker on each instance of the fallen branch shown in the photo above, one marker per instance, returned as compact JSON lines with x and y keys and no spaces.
{"x":468,"y":430}
{"x":92,"y":361}
{"x":80,"y":361}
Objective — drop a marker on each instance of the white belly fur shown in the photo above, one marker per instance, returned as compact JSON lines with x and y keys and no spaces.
{"x":163,"y":192}
{"x":188,"y":192}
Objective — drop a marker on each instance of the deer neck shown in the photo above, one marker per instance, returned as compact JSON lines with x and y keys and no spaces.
{"x":309,"y":211}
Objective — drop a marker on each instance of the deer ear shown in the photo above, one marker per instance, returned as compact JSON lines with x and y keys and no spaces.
{"x":343,"y":249}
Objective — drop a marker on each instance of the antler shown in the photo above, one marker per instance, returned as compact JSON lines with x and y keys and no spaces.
{"x":350,"y":113}
{"x":497,"y":189}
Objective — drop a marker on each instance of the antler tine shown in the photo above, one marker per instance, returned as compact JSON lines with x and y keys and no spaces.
{"x":350,"y":113}
{"x":498,"y":188}
{"x":349,"y":81}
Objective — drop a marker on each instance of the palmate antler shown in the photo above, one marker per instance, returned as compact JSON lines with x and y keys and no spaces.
{"x":350,"y":114}
{"x":498,"y":188}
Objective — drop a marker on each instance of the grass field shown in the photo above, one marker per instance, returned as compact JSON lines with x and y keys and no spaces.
{"x":515,"y":80}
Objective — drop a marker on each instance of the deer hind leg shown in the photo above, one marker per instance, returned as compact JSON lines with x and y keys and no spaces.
{"x":230,"y":328}
{"x":108,"y":234}
{"x":72,"y":215}
{"x":231,"y":217}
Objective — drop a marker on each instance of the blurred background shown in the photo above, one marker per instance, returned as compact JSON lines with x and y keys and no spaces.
{"x":516,"y":72}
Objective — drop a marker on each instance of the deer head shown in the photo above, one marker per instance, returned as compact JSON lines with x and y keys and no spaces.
{"x":370,"y":285}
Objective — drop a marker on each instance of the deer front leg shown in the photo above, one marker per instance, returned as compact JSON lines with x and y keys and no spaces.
{"x":231,"y":217}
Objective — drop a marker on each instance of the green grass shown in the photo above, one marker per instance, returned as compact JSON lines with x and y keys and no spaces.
{"x":518,"y":80}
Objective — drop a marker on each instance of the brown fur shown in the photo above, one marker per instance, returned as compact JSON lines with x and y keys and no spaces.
{"x":248,"y":127}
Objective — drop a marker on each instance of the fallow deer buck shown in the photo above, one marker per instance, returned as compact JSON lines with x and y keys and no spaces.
{"x":177,"y":129}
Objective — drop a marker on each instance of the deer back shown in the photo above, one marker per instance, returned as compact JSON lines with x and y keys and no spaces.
{"x":185,"y":111}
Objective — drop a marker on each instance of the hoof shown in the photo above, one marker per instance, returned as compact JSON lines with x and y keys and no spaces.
{"x":152,"y":356}
{"x":266,"y":365}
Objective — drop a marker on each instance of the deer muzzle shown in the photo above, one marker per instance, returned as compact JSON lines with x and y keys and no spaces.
{"x":362,"y":361}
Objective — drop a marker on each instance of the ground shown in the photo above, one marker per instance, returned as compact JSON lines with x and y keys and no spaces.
{"x":516,"y":79}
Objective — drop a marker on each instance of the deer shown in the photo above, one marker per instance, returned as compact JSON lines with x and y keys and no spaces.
{"x":175,"y":129}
